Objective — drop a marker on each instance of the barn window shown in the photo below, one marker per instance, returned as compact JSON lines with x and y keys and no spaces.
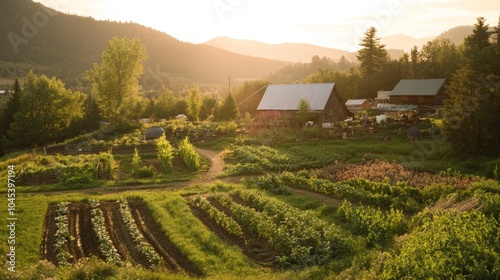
{"x":331,"y":111}
{"x":420,"y":99}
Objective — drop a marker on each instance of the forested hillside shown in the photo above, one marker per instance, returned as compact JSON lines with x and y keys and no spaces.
{"x":65,"y":46}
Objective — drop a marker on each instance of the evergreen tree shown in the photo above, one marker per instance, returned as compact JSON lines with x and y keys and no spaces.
{"x":372,"y":57}
{"x":7,"y":113}
{"x":373,"y":54}
{"x":471,"y":113}
{"x":228,"y":111}
{"x":11,"y":108}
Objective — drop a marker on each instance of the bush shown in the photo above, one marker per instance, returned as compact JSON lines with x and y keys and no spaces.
{"x":273,"y":183}
{"x":106,"y":166}
{"x":189,"y":155}
{"x":145,"y":172}
{"x":165,"y":153}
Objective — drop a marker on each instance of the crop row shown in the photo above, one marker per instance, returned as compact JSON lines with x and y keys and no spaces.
{"x":377,"y":225}
{"x":301,"y":237}
{"x":106,"y":247}
{"x":219,"y":217}
{"x":62,"y":234}
{"x":142,"y":246}
{"x":255,"y":159}
{"x":384,"y":195}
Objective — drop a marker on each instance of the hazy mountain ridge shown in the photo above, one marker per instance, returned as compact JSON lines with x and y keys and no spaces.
{"x":67,"y":45}
{"x":396,"y":45}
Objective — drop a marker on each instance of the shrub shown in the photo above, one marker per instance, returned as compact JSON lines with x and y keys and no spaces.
{"x":189,"y":155}
{"x":106,"y":166}
{"x":273,"y":183}
{"x":165,"y":153}
{"x":145,"y":172}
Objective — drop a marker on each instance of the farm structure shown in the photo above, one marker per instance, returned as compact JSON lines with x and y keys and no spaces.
{"x":280,"y":102}
{"x":421,"y":92}
{"x":356,"y":105}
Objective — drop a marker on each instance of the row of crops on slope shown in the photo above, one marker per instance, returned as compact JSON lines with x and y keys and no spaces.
{"x":257,"y":159}
{"x":301,"y":237}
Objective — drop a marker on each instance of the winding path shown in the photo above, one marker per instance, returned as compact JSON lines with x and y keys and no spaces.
{"x":216,"y":168}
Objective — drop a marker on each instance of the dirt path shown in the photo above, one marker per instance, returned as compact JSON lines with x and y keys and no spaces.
{"x":321,"y":197}
{"x":216,"y":167}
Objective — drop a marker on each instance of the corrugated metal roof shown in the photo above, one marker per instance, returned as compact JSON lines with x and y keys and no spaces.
{"x":286,"y":97}
{"x":355,"y":102}
{"x":427,"y":87}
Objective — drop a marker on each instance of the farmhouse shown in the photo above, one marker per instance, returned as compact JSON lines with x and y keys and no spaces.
{"x":281,"y":101}
{"x":356,"y":105}
{"x":422,"y":92}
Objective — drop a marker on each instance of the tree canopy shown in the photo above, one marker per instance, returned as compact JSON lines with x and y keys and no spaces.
{"x":46,"y":111}
{"x":116,"y":80}
{"x":471,"y":113}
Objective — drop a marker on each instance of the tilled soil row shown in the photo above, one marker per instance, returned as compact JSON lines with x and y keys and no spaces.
{"x":83,"y":242}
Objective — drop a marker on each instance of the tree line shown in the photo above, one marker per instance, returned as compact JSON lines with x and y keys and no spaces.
{"x":44,"y":111}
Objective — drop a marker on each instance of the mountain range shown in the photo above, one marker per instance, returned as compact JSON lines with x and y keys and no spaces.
{"x":65,"y":46}
{"x":396,"y":46}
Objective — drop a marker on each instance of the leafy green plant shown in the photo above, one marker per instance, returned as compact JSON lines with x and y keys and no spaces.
{"x":106,"y":166}
{"x":143,"y":246}
{"x":62,"y":234}
{"x":220,"y":218}
{"x":448,"y":245}
{"x":377,"y":225}
{"x":301,"y":237}
{"x":165,"y":153}
{"x":106,"y":247}
{"x":189,"y":155}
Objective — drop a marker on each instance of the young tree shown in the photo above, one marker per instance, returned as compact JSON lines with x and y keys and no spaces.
{"x":304,"y":113}
{"x":208,"y":107}
{"x":115,"y":80}
{"x":194,"y":103}
{"x":228,"y":111}
{"x":47,"y":109}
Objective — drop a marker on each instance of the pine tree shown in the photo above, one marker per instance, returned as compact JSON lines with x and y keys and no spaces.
{"x":228,"y":111}
{"x":471,"y":113}
{"x":373,"y":55}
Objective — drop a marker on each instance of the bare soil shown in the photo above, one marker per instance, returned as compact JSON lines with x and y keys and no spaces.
{"x":83,"y":241}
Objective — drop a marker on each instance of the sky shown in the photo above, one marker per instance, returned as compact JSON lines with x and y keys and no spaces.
{"x":327,"y":23}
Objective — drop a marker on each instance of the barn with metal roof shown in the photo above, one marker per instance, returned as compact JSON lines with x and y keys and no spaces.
{"x":283,"y":100}
{"x":426,"y":92}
